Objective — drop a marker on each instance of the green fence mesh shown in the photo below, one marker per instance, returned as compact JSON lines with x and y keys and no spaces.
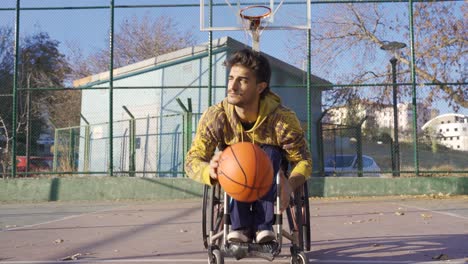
{"x":69,"y":70}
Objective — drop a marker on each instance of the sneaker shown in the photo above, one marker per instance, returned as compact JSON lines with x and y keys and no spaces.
{"x":240,"y":236}
{"x":264,"y":236}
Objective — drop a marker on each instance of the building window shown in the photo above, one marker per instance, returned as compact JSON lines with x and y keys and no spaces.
{"x":456,"y":129}
{"x":458,"y":138}
{"x":440,"y":130}
{"x":447,"y":129}
{"x":442,"y":122}
{"x":458,"y":146}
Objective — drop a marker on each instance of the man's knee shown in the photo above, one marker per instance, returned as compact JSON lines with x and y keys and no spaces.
{"x":275,"y":153}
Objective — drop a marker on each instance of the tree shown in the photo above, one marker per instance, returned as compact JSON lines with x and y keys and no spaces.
{"x":358,"y":30}
{"x":135,"y":39}
{"x":40,"y":65}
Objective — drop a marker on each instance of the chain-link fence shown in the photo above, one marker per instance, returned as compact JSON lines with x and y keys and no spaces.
{"x":93,"y":87}
{"x":144,"y":147}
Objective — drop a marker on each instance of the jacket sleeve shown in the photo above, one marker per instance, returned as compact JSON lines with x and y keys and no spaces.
{"x":203,"y":147}
{"x":292,"y":139}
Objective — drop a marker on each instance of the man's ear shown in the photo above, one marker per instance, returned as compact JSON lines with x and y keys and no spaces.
{"x":261,"y":86}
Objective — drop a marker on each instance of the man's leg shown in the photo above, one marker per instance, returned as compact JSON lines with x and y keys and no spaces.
{"x":264,"y":208}
{"x":241,"y":215}
{"x":257,"y":216}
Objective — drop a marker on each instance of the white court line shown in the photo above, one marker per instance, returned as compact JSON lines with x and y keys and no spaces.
{"x":429,"y":210}
{"x":58,"y":220}
{"x":116,"y":261}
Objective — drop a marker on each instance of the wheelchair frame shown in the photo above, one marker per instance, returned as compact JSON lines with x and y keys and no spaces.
{"x":216,"y":225}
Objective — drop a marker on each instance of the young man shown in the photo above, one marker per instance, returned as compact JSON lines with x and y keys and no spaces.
{"x":250,"y":112}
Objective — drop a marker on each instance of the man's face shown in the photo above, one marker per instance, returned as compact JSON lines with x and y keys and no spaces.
{"x":243,"y":89}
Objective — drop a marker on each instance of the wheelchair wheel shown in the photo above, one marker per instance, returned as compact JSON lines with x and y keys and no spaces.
{"x":216,"y":257}
{"x":299,"y":217}
{"x":299,"y":258}
{"x":212,"y":212}
{"x":306,"y":222}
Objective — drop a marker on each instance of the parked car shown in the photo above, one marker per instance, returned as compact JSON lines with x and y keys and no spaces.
{"x":347,"y":165}
{"x":36,"y":164}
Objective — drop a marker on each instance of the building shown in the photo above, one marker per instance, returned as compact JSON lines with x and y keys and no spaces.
{"x":382,"y":115}
{"x":149,"y":92}
{"x":450,"y":130}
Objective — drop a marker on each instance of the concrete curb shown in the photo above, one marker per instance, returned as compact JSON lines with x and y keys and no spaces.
{"x":126,"y":188}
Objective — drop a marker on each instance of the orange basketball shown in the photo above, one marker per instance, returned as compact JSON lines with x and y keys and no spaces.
{"x":245,"y":172}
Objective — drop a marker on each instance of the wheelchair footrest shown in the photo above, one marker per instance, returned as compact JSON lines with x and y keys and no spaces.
{"x":266,"y":251}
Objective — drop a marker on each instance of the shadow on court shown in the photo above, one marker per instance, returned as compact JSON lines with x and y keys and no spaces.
{"x":348,"y":230}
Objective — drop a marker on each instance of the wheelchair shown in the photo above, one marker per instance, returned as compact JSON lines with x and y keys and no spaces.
{"x":216,"y":224}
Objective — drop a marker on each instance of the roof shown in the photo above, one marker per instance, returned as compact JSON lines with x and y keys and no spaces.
{"x":441,"y":117}
{"x":219,"y":45}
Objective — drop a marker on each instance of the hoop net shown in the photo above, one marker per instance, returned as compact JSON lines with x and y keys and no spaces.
{"x":252,"y":22}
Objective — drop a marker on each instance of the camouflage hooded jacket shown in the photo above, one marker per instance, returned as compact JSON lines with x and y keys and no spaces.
{"x":220,"y":126}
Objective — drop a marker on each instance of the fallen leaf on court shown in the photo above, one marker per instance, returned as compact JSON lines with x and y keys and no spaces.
{"x":426,"y":216}
{"x":355,"y":222}
{"x":58,"y":241}
{"x":183,"y":231}
{"x":441,"y":257}
{"x":72,"y":257}
{"x":376,"y":245}
{"x":76,"y":256}
{"x":399,"y":213}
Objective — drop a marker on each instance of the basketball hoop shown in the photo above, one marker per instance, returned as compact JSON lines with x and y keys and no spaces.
{"x":253,"y":16}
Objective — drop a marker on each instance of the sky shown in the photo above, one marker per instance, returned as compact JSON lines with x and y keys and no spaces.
{"x":88,"y":28}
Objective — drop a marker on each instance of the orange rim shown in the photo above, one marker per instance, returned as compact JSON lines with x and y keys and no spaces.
{"x":255,"y":18}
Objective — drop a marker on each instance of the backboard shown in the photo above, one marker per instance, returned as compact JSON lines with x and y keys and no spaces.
{"x":224,"y":15}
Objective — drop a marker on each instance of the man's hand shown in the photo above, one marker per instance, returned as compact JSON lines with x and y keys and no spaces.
{"x":286,"y":191}
{"x":214,"y":163}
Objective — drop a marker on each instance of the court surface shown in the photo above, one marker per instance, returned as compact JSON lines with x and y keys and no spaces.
{"x":393,"y":230}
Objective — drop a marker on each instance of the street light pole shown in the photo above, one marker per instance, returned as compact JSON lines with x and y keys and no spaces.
{"x":396,"y":145}
{"x":393,"y":46}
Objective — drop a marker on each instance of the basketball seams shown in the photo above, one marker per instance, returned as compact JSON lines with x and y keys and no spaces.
{"x":257,"y":188}
{"x":240,"y":166}
{"x":243,"y":172}
{"x":248,"y":162}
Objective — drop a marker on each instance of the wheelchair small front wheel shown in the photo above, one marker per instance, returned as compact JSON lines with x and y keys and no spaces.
{"x":216,"y":257}
{"x":299,"y":258}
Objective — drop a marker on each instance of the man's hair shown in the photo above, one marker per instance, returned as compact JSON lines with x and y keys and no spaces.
{"x":255,"y":61}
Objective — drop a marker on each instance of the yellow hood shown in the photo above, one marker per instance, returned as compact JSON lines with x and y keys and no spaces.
{"x":268,"y":104}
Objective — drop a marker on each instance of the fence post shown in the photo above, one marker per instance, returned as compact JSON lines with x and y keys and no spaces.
{"x":189,"y":124}
{"x":359,"y":146}
{"x":187,"y":128}
{"x":71,"y":150}
{"x":15,"y":91}
{"x":320,"y":143}
{"x":131,"y":142}
{"x":54,"y":162}
{"x":87,"y":144}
